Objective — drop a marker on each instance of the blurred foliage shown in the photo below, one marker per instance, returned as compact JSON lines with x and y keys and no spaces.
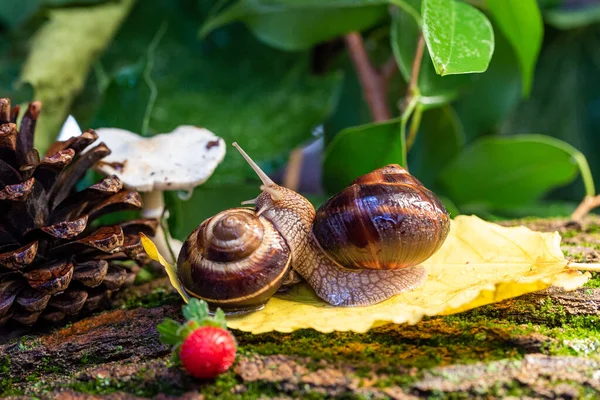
{"x":506,"y":135}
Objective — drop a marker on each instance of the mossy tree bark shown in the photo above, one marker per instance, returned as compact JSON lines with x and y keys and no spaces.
{"x":542,"y":345}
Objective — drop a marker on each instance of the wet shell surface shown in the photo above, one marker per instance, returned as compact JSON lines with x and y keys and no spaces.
{"x":235,"y":260}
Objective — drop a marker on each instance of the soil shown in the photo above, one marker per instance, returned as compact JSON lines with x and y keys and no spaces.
{"x":544,"y":345}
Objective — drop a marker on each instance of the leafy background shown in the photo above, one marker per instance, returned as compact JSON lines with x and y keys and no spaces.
{"x":507,"y":133}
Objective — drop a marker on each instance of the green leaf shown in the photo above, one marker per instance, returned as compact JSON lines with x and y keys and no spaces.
{"x":14,"y":13}
{"x":439,"y":140}
{"x":459,"y":37}
{"x":218,"y":320}
{"x":63,"y":50}
{"x":268,"y":101}
{"x":517,"y":170}
{"x":168,"y":332}
{"x":292,"y":25}
{"x":521,"y":22}
{"x":564,"y":98}
{"x":493,"y":94}
{"x":196,"y":310}
{"x":435,"y":90}
{"x":358,"y":150}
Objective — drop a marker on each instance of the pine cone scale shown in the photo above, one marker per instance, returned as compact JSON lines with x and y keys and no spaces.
{"x":8,"y":293}
{"x":50,"y":278}
{"x":56,"y":257}
{"x":33,"y":300}
{"x":66,"y":229}
{"x":20,"y":258}
{"x":18,"y":191}
{"x":91,"y":273}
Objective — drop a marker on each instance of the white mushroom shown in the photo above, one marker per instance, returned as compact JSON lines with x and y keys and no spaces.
{"x":180,"y":160}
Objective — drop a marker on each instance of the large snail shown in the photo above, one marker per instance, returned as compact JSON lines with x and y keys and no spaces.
{"x":363,"y":246}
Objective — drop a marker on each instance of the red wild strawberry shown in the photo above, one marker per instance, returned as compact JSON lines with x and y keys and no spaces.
{"x":207,"y":352}
{"x":202,"y":344}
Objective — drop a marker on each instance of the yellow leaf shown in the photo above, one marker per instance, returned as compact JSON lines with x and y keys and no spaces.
{"x":171,"y":270}
{"x":480,"y":263}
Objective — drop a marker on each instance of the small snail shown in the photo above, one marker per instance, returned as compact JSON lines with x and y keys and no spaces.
{"x":363,"y":246}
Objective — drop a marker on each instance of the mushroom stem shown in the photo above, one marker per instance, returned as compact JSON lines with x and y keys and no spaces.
{"x":154,"y":207}
{"x":154,"y":204}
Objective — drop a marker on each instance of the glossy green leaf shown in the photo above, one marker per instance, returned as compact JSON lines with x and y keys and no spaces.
{"x":440,"y":139}
{"x":435,"y":90}
{"x":63,"y":51}
{"x":459,"y":37}
{"x":358,"y":150}
{"x":292,"y":25}
{"x":521,"y":22}
{"x":516,"y":170}
{"x":564,"y":99}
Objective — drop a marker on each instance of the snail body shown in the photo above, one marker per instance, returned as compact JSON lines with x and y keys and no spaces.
{"x":363,"y":246}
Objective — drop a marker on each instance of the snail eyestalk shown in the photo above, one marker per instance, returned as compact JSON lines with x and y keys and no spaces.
{"x":268,"y":184}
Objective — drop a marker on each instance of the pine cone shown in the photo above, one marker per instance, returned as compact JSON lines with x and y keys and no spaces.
{"x":55,"y":258}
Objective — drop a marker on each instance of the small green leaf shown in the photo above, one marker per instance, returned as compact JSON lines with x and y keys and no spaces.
{"x":516,"y":170}
{"x":168,"y":331}
{"x":217,"y":320}
{"x":187,"y":328}
{"x":439,"y":140}
{"x":358,"y":150}
{"x":435,"y":90}
{"x":195,"y":310}
{"x":292,"y":25}
{"x":459,"y":37}
{"x":521,"y":22}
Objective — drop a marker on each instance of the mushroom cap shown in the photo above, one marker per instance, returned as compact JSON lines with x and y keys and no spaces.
{"x":180,"y":160}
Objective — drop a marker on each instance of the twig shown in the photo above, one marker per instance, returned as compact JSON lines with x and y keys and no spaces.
{"x":584,"y":266}
{"x":587,"y":205}
{"x":291,"y":179}
{"x":416,"y":67}
{"x":373,"y":86}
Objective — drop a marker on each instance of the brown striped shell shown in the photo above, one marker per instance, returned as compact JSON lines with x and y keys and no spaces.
{"x":234,"y":260}
{"x":385,"y":219}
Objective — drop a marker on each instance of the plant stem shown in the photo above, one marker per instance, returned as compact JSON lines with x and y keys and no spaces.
{"x":403,"y":121}
{"x":416,"y":67}
{"x":373,"y":86}
{"x":411,"y":103}
{"x":414,"y":126}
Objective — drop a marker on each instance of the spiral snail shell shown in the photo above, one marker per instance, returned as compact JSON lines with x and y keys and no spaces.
{"x":363,"y":246}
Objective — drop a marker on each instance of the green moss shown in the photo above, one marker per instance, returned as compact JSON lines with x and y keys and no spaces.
{"x":594,"y":281}
{"x":570,"y":234}
{"x":158,"y":297}
{"x":138,"y":385}
{"x":383,"y":349}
